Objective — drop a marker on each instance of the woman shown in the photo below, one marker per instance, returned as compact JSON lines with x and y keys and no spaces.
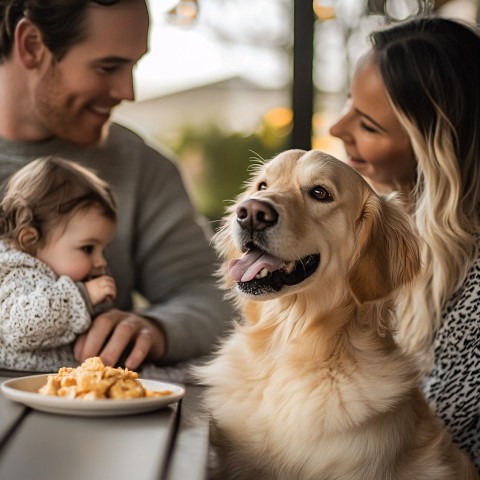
{"x":413,"y":125}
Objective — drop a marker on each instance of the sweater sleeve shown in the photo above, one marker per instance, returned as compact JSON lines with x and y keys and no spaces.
{"x":38,"y":312}
{"x":172,"y":261}
{"x":175,"y":266}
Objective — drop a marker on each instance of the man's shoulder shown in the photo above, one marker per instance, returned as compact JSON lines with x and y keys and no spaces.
{"x":122,"y":135}
{"x":117,"y":132}
{"x":126,"y":156}
{"x":141,"y":149}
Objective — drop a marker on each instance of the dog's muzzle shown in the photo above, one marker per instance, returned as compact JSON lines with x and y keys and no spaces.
{"x":255,"y":215}
{"x":258,"y":272}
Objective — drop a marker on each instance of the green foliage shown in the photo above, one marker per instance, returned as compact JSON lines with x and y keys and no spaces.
{"x":216,"y":163}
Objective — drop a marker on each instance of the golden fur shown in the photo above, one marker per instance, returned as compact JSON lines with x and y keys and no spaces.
{"x":310,"y":384}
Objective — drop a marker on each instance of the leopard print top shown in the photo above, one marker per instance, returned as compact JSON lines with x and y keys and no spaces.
{"x":453,"y":387}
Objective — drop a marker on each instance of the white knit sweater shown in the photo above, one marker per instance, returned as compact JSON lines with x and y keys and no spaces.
{"x":40,"y":314}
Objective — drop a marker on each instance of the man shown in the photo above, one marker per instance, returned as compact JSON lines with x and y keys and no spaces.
{"x":65,"y":64}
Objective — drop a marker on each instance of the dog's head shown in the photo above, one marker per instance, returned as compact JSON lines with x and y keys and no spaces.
{"x":308,"y":222}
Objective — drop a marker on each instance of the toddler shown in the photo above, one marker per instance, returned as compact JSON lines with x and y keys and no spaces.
{"x":56,"y":219}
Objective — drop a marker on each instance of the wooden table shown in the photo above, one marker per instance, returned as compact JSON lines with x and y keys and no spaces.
{"x":167,"y":444}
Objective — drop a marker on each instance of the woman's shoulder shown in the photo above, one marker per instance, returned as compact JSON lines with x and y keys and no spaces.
{"x":467,"y":297}
{"x":459,"y":334}
{"x":453,"y":385}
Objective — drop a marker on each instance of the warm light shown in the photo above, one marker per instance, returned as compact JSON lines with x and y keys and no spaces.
{"x":184,"y":14}
{"x":167,"y":5}
{"x":321,"y":138}
{"x":324,"y":9}
{"x":280,"y":117}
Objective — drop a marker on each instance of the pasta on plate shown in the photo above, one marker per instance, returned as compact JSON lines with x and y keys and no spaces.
{"x":92,"y":380}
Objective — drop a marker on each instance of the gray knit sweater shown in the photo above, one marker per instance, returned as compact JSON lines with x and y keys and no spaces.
{"x":160,"y":249}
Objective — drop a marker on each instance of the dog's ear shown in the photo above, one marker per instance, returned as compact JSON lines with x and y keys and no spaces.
{"x":387,"y":254}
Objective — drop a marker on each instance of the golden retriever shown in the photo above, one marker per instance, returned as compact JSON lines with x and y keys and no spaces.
{"x":310,"y":384}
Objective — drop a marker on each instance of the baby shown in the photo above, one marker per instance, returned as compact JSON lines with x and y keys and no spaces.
{"x":56,"y":219}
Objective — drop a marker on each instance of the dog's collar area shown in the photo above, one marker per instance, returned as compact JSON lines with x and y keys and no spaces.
{"x":274,"y":281}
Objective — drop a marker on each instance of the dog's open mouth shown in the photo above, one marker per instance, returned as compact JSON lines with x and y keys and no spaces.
{"x":258,"y":272}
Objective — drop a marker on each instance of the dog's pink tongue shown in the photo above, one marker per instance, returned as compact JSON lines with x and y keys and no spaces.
{"x":244,"y":269}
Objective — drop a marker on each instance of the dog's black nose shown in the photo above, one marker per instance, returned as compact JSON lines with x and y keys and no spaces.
{"x":255,"y":215}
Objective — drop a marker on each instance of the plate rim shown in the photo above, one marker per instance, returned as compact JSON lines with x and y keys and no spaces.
{"x":102,"y":407}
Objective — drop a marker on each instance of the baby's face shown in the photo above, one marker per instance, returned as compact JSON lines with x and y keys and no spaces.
{"x":77,"y":250}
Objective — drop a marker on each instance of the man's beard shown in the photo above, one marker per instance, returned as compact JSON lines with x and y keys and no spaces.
{"x":58,"y":115}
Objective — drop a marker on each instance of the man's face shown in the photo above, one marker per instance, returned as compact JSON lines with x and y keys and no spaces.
{"x":75,"y":96}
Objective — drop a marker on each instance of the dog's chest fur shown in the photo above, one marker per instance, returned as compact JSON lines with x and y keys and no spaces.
{"x":285,"y":403}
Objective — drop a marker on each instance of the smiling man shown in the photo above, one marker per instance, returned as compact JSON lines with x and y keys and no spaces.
{"x":65,"y":64}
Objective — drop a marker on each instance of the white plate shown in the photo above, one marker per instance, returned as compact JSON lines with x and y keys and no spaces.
{"x":24,"y":390}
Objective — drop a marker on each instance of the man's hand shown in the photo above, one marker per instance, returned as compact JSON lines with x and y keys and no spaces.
{"x":113,"y":331}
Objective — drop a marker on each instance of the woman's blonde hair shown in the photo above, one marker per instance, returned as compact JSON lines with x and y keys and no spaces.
{"x":46,"y":193}
{"x":432,"y":74}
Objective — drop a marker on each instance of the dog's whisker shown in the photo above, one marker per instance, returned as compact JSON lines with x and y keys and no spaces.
{"x":257,"y":157}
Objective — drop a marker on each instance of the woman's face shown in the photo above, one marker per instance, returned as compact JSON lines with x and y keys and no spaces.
{"x":376,"y":144}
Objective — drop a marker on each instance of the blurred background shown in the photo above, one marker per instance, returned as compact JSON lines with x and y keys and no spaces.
{"x":228,"y":81}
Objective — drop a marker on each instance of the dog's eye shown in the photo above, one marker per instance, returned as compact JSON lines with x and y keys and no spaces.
{"x":262,"y":186}
{"x":320,"y":193}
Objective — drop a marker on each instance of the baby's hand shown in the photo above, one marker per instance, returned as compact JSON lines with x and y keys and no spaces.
{"x":101,"y":288}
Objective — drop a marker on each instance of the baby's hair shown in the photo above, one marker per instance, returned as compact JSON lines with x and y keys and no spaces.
{"x":45,"y":193}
